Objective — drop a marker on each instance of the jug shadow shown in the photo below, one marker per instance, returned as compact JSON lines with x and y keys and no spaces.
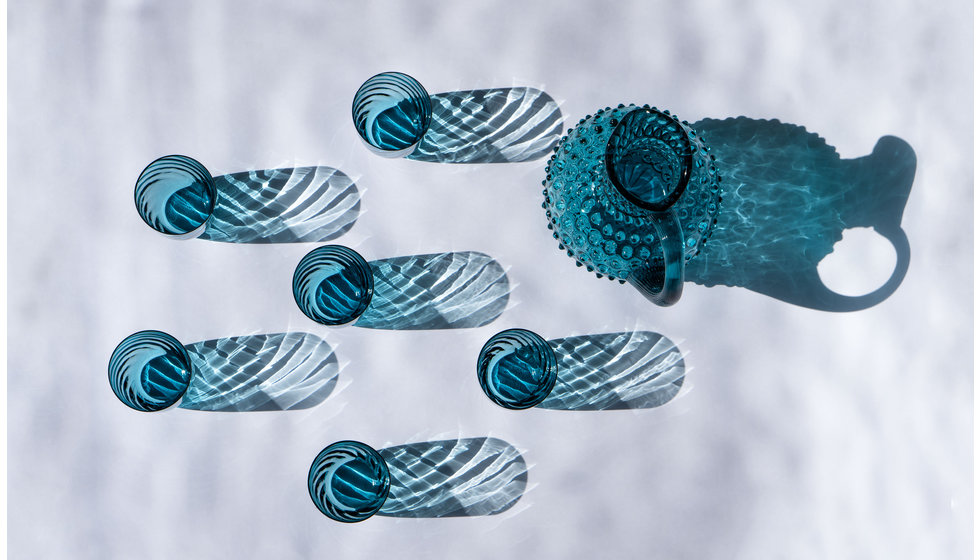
{"x":289,"y":205}
{"x":453,"y":478}
{"x":787,"y":198}
{"x":282,"y":371}
{"x":436,"y":291}
{"x":501,"y":125}
{"x":615,"y":371}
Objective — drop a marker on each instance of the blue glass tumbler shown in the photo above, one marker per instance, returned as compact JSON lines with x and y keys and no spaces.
{"x":517,"y":369}
{"x":149,"y":371}
{"x":349,"y":481}
{"x":333,"y":285}
{"x":632,"y":194}
{"x":392,"y":112}
{"x":175,"y":195}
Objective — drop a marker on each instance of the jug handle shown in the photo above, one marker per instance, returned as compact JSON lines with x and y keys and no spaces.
{"x":663,"y":283}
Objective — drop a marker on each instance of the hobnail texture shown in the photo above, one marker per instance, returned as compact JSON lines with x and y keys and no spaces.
{"x":615,"y":179}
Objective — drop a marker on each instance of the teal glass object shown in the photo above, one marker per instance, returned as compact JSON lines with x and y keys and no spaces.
{"x":396,"y":117}
{"x":517,"y":369}
{"x":333,"y":285}
{"x":175,"y":195}
{"x":632,"y":194}
{"x":349,"y":481}
{"x":391,"y":113}
{"x":149,"y":371}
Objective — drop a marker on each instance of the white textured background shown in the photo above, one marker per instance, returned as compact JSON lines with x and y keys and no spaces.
{"x":800,"y":434}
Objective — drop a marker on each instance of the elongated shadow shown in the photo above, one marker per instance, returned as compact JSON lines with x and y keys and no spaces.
{"x":787,"y":198}
{"x":291,"y":205}
{"x":436,"y":291}
{"x":615,"y":371}
{"x":501,"y":125}
{"x":283,"y":371}
{"x":453,"y":478}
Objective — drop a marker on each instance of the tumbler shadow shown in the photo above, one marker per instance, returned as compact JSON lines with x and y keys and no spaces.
{"x":436,"y":291}
{"x":502,"y":125}
{"x":615,"y":371}
{"x":787,"y":198}
{"x":291,"y":205}
{"x":283,"y":371}
{"x":453,"y":478}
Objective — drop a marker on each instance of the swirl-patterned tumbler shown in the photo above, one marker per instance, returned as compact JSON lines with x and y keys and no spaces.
{"x":175,"y":195}
{"x":349,"y":481}
{"x":149,"y":371}
{"x":391,"y":112}
{"x":333,"y":285}
{"x":631,"y":194}
{"x":517,"y":369}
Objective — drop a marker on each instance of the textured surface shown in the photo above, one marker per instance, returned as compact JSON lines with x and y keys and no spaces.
{"x":797,"y":434}
{"x":592,"y":219}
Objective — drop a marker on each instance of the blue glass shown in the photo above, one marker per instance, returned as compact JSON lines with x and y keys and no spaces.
{"x":464,"y":477}
{"x":789,"y":197}
{"x":280,"y":371}
{"x":517,"y":369}
{"x":632,"y":194}
{"x":349,"y":481}
{"x":175,"y":195}
{"x":149,"y":371}
{"x":391,"y":112}
{"x":333,"y":285}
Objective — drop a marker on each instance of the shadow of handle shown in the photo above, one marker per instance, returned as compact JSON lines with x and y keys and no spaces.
{"x":819,"y":296}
